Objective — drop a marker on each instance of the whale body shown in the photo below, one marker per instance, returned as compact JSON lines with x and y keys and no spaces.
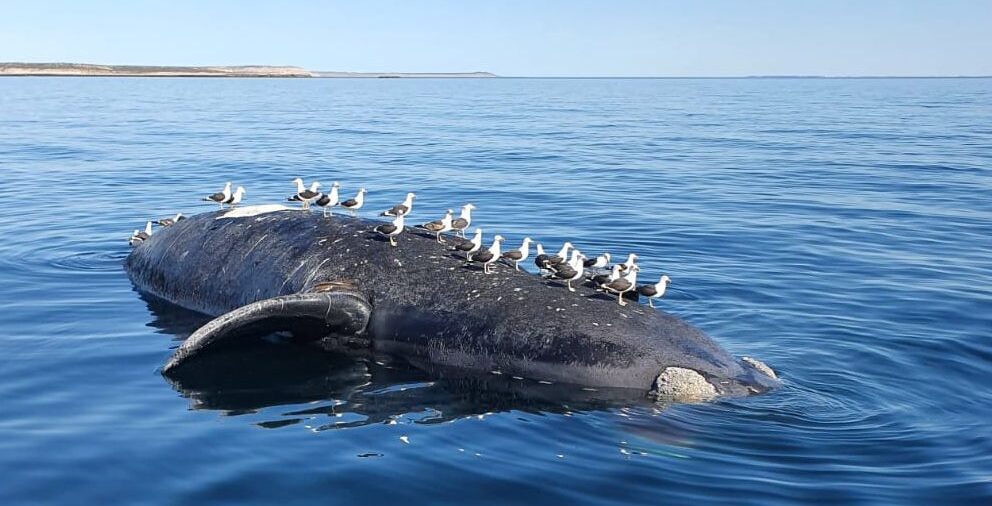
{"x":334,"y":283}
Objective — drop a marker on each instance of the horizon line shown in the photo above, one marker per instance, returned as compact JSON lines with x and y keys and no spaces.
{"x":604,"y":76}
{"x":769,"y":76}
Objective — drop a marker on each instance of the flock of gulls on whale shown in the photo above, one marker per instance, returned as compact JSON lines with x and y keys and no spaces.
{"x":568,"y":264}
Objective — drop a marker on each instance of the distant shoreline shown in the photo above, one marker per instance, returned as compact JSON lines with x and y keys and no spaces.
{"x":276,"y":71}
{"x":86,"y":70}
{"x":91,"y":70}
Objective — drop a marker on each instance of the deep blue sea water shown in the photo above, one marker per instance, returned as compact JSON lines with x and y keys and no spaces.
{"x":840,"y":230}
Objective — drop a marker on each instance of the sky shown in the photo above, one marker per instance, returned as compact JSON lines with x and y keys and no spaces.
{"x":515,"y":38}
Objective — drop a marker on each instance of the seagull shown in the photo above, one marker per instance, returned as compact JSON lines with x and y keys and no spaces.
{"x":329,"y":200}
{"x":631,"y":260}
{"x":403,"y":208}
{"x":540,"y":257}
{"x":571,"y":270}
{"x":489,"y":256}
{"x":438,"y":226}
{"x":133,"y":240}
{"x":357,"y":202}
{"x":655,"y":291}
{"x":470,"y":247}
{"x":168,"y":222}
{"x":461,"y":223}
{"x":579,"y":269}
{"x":605,"y":279}
{"x":147,"y":232}
{"x":623,"y":284}
{"x":599,"y":262}
{"x":550,"y":261}
{"x":391,"y":230}
{"x":221,"y":196}
{"x":236,"y":197}
{"x":305,"y":195}
{"x":519,"y":255}
{"x":143,"y":235}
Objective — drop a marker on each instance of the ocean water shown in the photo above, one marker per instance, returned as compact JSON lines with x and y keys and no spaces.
{"x":840,"y":230}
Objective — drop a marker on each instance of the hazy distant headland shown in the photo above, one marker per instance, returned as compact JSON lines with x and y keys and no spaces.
{"x":85,"y":69}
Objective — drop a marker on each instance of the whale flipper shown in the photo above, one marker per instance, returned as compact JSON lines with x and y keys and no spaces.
{"x":338,"y":313}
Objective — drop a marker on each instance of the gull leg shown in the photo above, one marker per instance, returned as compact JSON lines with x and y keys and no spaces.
{"x":569,"y":284}
{"x":392,"y":241}
{"x":620,"y":299}
{"x":650,"y":302}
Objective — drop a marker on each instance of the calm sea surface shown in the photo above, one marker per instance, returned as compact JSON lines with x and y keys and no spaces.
{"x":840,"y":230}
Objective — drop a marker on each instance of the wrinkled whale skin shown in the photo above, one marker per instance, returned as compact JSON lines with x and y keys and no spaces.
{"x":426,"y":304}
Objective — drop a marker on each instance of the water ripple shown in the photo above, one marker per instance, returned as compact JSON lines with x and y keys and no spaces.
{"x":837,"y":229}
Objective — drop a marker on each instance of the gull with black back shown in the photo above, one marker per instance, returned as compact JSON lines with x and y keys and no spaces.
{"x":440,"y":226}
{"x":221,"y":196}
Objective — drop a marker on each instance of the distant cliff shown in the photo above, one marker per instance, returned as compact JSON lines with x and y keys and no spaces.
{"x":83,"y":69}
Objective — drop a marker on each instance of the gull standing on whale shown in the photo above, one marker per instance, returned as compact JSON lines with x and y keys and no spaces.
{"x":630,"y":262}
{"x":168,"y":222}
{"x":600,"y":262}
{"x":221,"y":196}
{"x":571,"y":270}
{"x":236,"y":197}
{"x":519,"y":255}
{"x":623,"y":284}
{"x":137,"y":236}
{"x":470,"y":247}
{"x":356,"y":203}
{"x":391,"y":230}
{"x":540,"y":257}
{"x":461,"y":223}
{"x":489,"y":256}
{"x":403,"y":208}
{"x":605,"y":279}
{"x":439,"y":226}
{"x":305,"y":195}
{"x":549,"y":262}
{"x":655,"y":291}
{"x":328,"y":200}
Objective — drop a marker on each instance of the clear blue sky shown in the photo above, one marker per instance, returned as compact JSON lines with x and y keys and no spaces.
{"x":515,"y":38}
